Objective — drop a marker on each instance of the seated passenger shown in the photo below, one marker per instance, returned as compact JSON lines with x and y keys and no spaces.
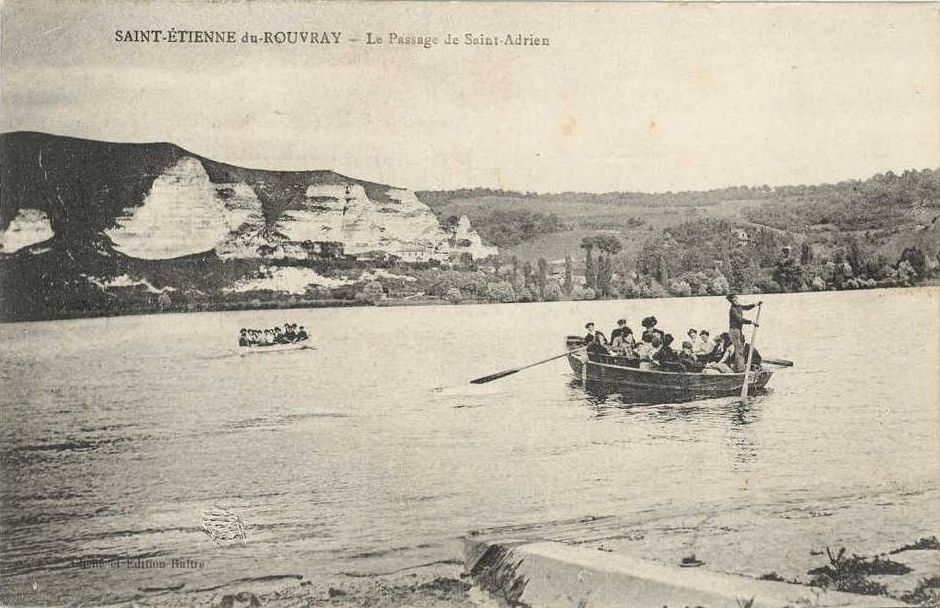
{"x":665,"y":357}
{"x":649,"y":324}
{"x":621,"y":323}
{"x":624,"y":344}
{"x":644,"y":350}
{"x":703,"y":345}
{"x":688,"y":359}
{"x":302,"y":334}
{"x":243,"y":337}
{"x":693,"y":335}
{"x":714,"y":352}
{"x":725,"y":362}
{"x":594,"y":340}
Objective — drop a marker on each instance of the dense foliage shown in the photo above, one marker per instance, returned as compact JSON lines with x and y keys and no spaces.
{"x":884,"y":200}
{"x":505,"y":227}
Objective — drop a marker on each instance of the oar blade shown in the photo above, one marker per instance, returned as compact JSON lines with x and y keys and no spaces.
{"x":492,"y":377}
{"x":777,"y":362}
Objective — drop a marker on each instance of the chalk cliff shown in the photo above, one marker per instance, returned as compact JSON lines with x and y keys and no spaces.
{"x":158,"y":201}
{"x":81,"y":210}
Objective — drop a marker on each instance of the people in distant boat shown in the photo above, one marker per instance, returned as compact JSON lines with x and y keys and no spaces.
{"x":595,"y":340}
{"x":649,"y":327}
{"x":289,"y":334}
{"x":689,"y":361}
{"x":736,"y":322}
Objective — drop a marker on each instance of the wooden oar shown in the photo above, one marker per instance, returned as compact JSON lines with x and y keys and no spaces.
{"x":750,"y":353}
{"x":510,"y":372}
{"x":778,"y":362}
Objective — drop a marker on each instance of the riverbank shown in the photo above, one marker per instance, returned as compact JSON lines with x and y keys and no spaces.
{"x":296,"y":303}
{"x":816,"y":544}
{"x":439,"y":585}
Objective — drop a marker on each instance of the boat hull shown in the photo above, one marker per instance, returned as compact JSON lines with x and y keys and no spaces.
{"x":274,"y":348}
{"x":613,"y":374}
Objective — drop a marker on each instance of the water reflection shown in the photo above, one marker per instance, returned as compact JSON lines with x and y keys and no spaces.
{"x":739,"y":419}
{"x":741,"y":434}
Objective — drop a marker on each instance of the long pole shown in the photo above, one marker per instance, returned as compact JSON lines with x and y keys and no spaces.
{"x":750,"y":353}
{"x":509,"y":372}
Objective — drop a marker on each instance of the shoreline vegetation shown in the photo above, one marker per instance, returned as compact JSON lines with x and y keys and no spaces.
{"x":295,"y":304}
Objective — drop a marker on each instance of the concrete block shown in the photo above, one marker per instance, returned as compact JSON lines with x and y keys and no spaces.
{"x":549,"y":575}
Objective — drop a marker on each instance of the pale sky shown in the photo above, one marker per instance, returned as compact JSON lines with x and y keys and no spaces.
{"x":643,"y":97}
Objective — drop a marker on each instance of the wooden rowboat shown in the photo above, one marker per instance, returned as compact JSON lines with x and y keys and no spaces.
{"x":274,"y":348}
{"x":615,"y":374}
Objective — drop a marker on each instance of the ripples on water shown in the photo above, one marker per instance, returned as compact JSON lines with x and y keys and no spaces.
{"x":372,"y":452}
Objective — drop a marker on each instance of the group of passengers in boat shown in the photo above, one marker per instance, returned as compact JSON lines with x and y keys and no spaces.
{"x":289,"y":334}
{"x":655,"y":349}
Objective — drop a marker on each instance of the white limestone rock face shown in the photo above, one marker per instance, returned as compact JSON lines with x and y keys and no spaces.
{"x":466,"y":239}
{"x":287,"y":279}
{"x":414,"y":224}
{"x":30,"y":226}
{"x":245,"y":219}
{"x":125,"y":280}
{"x":322,"y":217}
{"x":181,"y":215}
{"x":345,"y":213}
{"x":185,"y":213}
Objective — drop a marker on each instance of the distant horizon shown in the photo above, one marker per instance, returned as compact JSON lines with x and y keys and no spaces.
{"x":897,"y":171}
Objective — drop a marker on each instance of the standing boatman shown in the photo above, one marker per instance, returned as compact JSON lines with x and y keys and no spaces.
{"x":736,"y":322}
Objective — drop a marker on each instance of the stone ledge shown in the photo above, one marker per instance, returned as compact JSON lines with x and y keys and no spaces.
{"x":550,"y":574}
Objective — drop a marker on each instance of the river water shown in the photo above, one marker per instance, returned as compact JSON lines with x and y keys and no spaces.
{"x":372,"y":453}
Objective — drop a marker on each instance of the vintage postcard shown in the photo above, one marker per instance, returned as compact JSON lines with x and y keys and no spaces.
{"x":450,"y":304}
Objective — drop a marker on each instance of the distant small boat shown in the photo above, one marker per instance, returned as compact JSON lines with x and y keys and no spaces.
{"x":615,"y":374}
{"x":274,"y":348}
